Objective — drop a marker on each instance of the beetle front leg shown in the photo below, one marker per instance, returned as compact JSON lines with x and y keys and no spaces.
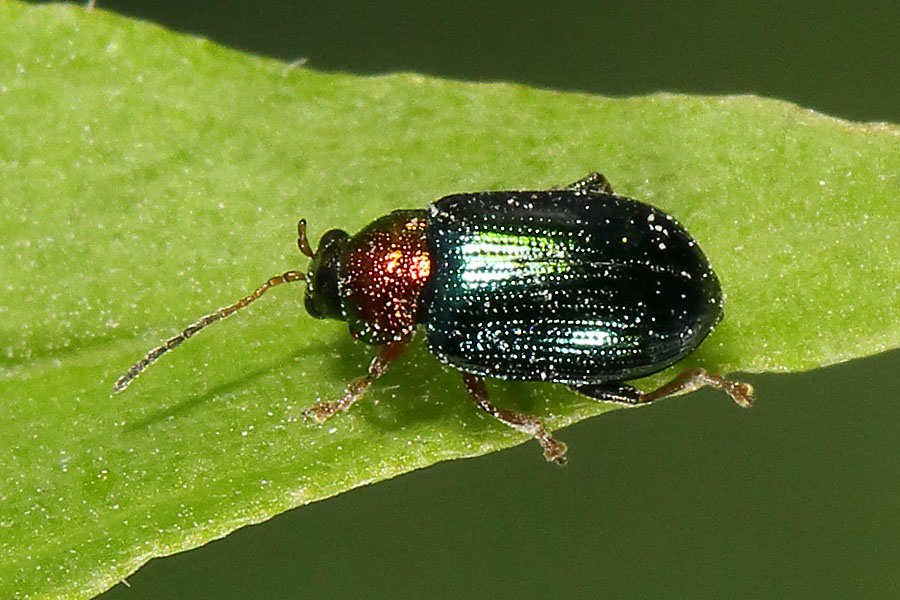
{"x":322,"y":411}
{"x":554,"y":451}
{"x":686,"y":381}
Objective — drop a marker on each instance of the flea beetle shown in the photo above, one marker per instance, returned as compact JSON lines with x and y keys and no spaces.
{"x":577,"y":286}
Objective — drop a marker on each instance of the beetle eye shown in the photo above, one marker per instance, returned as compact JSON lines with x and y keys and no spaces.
{"x":322,"y":300}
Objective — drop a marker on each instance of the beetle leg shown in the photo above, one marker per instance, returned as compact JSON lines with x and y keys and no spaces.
{"x":322,"y":411}
{"x":692,"y":379}
{"x":686,"y":381}
{"x":554,"y":451}
{"x":595,"y":182}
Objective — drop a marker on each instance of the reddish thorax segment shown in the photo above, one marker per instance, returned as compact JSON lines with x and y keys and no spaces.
{"x":383,"y":272}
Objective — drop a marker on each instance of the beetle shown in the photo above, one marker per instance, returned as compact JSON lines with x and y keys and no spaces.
{"x":577,"y":286}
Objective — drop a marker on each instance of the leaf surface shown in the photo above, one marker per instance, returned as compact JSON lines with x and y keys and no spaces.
{"x":147,"y":178}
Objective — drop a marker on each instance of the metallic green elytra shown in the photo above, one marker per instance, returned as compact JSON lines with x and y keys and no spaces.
{"x":569,"y":286}
{"x":577,"y":286}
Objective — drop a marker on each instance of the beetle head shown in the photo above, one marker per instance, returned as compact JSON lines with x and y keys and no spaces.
{"x":322,"y":299}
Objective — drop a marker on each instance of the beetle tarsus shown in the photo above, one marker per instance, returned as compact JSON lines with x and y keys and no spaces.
{"x":595,"y":182}
{"x":322,"y":411}
{"x":554,"y":450}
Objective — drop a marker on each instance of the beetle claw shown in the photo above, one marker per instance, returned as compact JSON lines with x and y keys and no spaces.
{"x":740,"y":392}
{"x":321,"y":411}
{"x":555,"y":451}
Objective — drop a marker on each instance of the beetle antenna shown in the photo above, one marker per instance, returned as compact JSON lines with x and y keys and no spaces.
{"x":303,"y":241}
{"x":152,"y":356}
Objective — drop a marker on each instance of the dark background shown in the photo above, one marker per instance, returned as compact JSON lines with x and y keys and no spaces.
{"x":692,"y":497}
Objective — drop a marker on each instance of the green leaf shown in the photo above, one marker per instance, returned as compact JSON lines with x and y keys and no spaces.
{"x":147,"y":178}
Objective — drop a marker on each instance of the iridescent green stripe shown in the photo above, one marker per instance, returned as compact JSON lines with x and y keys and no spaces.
{"x":491,"y":256}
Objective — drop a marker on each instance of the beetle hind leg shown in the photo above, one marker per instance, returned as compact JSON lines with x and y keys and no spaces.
{"x":595,"y":182}
{"x":554,"y":451}
{"x":686,"y":381}
{"x":692,"y":379}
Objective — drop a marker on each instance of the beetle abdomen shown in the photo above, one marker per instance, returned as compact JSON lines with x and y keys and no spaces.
{"x":568,"y":286}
